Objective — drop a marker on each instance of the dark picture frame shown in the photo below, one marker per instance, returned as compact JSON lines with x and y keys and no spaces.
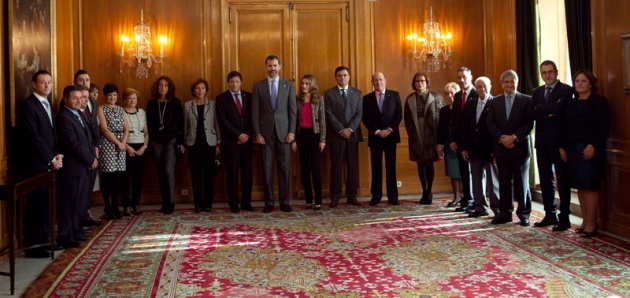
{"x":625,"y":45}
{"x":30,"y":46}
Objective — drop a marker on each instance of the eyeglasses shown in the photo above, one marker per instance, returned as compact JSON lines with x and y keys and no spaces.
{"x":421,"y":81}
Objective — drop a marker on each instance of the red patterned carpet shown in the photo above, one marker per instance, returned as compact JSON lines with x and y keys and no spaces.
{"x":384,"y":251}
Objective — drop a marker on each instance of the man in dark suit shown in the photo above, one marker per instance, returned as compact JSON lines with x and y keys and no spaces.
{"x":510,"y":123}
{"x":234,"y":115}
{"x":274,"y":113}
{"x":382,"y":113}
{"x":344,"y":111}
{"x":80,"y":158}
{"x":477,"y":146}
{"x":548,"y":138}
{"x":82,"y":78}
{"x":39,"y":152}
{"x":468,"y":92}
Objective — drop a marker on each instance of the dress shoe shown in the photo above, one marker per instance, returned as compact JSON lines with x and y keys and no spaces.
{"x":353,"y":201}
{"x":500,"y":220}
{"x":454,"y":202}
{"x":36,"y":253}
{"x":207,"y":209}
{"x":286,"y":208}
{"x":235,"y":210}
{"x":548,"y":220}
{"x":198,"y":210}
{"x":395,"y":203}
{"x":86,"y":229}
{"x":126,"y":211}
{"x":117,"y":214}
{"x":373,"y":202}
{"x":136,"y":210}
{"x":334,"y":203}
{"x":56,"y":248}
{"x":524,"y":222}
{"x":69,"y":244}
{"x":268,"y":209}
{"x":91,"y":222}
{"x":317,"y":207}
{"x":425,"y":201}
{"x":590,"y":234}
{"x":478,"y":213}
{"x":561,"y":226}
{"x":247,"y":208}
{"x":82,"y":238}
{"x":462,"y":209}
{"x":579,"y":230}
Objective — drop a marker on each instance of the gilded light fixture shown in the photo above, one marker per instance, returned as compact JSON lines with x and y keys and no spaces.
{"x":432,"y":49}
{"x":138,"y":50}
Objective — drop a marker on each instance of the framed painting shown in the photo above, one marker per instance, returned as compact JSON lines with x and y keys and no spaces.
{"x":30,"y":45}
{"x":625,"y":43}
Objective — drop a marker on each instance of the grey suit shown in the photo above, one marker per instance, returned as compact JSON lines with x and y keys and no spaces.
{"x":513,"y":163}
{"x":341,"y":115}
{"x":274,"y":125}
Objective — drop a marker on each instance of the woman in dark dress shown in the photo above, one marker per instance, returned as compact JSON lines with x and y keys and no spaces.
{"x":586,"y":127}
{"x":451,"y":162}
{"x":165,"y":120}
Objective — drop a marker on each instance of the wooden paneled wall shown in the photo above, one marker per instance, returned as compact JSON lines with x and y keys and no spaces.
{"x":609,"y":21}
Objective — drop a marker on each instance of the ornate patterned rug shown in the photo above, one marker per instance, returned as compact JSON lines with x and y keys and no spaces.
{"x":383,"y":251}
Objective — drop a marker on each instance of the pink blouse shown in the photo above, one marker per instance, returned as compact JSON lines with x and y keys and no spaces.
{"x":306,"y":119}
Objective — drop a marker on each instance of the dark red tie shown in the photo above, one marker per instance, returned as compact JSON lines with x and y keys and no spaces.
{"x":85,"y":116}
{"x":463,"y":99}
{"x":239,"y":107}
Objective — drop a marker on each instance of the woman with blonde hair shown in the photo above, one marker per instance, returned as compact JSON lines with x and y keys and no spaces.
{"x":451,"y":163}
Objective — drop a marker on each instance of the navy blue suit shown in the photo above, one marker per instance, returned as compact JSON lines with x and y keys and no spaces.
{"x":456,"y":135}
{"x":374,"y":120}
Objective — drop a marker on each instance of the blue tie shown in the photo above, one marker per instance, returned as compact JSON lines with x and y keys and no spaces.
{"x":547,"y":92}
{"x":273,"y":94}
{"x":508,"y":106}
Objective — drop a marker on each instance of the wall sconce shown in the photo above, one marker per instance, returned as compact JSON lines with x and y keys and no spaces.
{"x":428,"y":48}
{"x":140,"y":52}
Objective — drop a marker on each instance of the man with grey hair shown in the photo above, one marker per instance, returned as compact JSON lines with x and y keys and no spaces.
{"x":476,"y":145}
{"x":510,"y":123}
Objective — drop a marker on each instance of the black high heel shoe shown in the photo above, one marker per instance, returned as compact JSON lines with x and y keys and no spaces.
{"x":579,"y":230}
{"x":454,"y":202}
{"x":591,"y":234}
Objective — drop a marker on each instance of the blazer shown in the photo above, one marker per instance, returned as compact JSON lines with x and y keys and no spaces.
{"x":340,"y":115}
{"x":318,"y":114}
{"x":519,"y":124}
{"x":548,"y":128}
{"x":475,"y":136}
{"x":209,"y":119}
{"x":96,"y":132}
{"x":37,"y":137}
{"x":273,"y":124}
{"x":75,"y":142}
{"x":231,"y":123}
{"x":391,"y":116}
{"x":457,"y":112}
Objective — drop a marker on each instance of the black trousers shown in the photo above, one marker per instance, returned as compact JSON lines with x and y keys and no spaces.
{"x":376,"y":158}
{"x":200,"y":160}
{"x":549,"y":161}
{"x":514,"y":186}
{"x":238,"y":158}
{"x":133,"y":181}
{"x":308,"y":151}
{"x":343,"y":153}
{"x":110,"y":189}
{"x":464,"y":172}
{"x":70,"y":205}
{"x":36,"y":217}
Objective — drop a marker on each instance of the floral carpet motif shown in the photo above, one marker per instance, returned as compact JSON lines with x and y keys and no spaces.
{"x":384,"y":251}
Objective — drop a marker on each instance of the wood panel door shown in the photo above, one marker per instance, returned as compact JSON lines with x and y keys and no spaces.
{"x":309,"y":38}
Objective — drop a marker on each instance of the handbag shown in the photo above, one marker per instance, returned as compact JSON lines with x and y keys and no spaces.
{"x":217,"y":164}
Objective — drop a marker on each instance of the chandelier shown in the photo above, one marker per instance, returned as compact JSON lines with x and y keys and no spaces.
{"x":140,"y":52}
{"x":432,"y":49}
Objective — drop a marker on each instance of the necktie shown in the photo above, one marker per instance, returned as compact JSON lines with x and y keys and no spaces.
{"x":239,"y":107}
{"x":463,"y":99}
{"x":80,"y":121}
{"x":508,"y":106}
{"x":47,"y":107}
{"x":344,"y":95}
{"x":547,"y":92}
{"x":85,"y":115}
{"x":479,"y":109}
{"x":273,"y":94}
{"x":380,"y":102}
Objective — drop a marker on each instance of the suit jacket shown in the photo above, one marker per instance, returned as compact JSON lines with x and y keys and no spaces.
{"x":391,"y":116}
{"x":210,"y":123}
{"x":230,"y":122}
{"x":548,"y":129}
{"x":76,"y":144}
{"x":519,"y":124}
{"x":475,"y":136}
{"x":340,"y":115}
{"x":96,"y":132}
{"x":318,"y":114}
{"x":457,"y":113}
{"x":274,"y":124}
{"x":37,"y":136}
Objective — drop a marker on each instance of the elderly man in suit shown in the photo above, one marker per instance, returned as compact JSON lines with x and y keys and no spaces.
{"x":80,"y":158}
{"x":509,"y":122}
{"x":234,"y":115}
{"x":39,"y":152}
{"x":382,"y":113}
{"x":344,"y":111}
{"x":477,"y":149}
{"x":548,"y":136}
{"x":274,"y":113}
{"x":468,"y":93}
